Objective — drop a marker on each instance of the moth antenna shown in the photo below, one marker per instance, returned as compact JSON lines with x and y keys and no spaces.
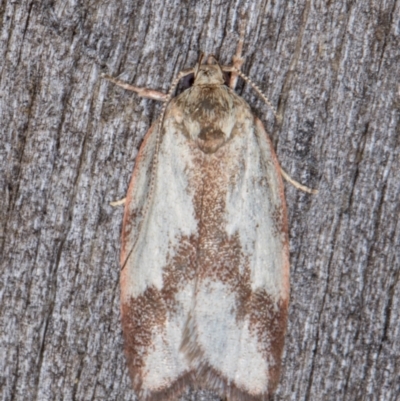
{"x":155,"y":159}
{"x":266,"y":100}
{"x":198,"y":64}
{"x":258,"y":90}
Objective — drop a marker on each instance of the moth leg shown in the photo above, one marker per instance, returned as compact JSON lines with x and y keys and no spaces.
{"x":118,"y":202}
{"x":297,"y":184}
{"x":142,"y":92}
{"x":237,"y":59}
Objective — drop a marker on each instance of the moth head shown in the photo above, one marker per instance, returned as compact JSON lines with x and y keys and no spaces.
{"x":208,"y":74}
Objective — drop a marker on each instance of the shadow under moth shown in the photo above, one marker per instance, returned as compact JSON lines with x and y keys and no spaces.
{"x":205,"y":255}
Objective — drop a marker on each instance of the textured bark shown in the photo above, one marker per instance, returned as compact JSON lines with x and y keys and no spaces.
{"x":68,"y":146}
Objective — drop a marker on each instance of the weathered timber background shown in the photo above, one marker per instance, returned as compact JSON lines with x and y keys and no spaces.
{"x":68,"y":146}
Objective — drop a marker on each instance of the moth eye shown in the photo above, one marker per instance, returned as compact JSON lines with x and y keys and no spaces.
{"x":187,"y":81}
{"x":227,"y":77}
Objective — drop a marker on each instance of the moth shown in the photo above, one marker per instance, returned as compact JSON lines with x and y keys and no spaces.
{"x":205,"y":256}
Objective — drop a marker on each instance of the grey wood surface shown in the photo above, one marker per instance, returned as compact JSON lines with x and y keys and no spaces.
{"x":68,"y":146}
